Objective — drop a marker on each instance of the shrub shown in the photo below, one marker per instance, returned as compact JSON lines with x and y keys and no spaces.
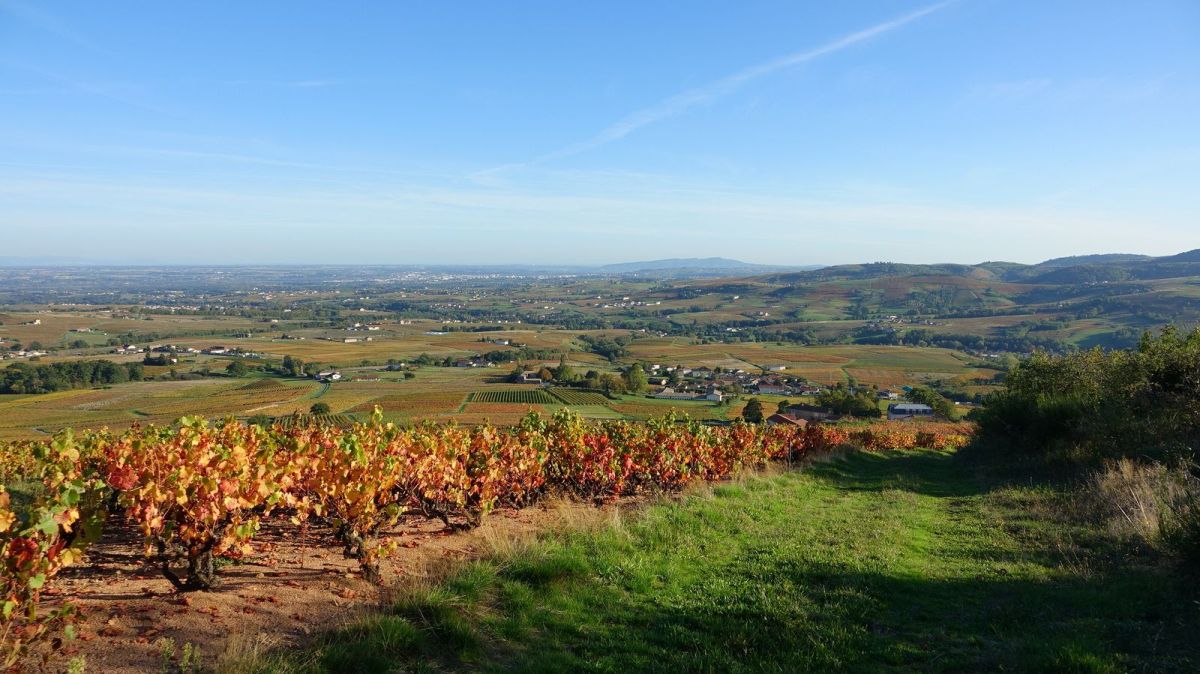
{"x":1095,"y":402}
{"x":1151,"y":502}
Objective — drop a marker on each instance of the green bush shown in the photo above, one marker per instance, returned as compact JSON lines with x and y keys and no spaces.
{"x":1104,"y":404}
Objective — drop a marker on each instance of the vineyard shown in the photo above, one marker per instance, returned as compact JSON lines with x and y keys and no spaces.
{"x":572,"y":396}
{"x":198,"y":492}
{"x":513,"y":397}
{"x":290,"y":421}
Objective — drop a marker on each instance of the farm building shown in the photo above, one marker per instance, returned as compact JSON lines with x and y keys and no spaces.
{"x":671,"y":394}
{"x":812,"y":413}
{"x":786,"y":420}
{"x":909,"y":411}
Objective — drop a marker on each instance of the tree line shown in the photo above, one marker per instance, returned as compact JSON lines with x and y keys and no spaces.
{"x":29,"y":378}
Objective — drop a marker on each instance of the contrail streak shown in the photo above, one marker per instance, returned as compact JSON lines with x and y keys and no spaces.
{"x":691,"y":98}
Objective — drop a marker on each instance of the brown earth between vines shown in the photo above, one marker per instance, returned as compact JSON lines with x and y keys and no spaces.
{"x":294,"y":586}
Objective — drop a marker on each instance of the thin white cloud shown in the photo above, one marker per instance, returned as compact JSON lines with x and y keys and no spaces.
{"x":40,"y":18}
{"x":443,"y":221}
{"x":686,"y":100}
{"x":114,"y":91}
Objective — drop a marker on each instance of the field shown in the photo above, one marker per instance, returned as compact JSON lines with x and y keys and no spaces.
{"x":147,"y":402}
{"x":469,"y":395}
{"x":648,"y":408}
{"x":513,"y":397}
{"x":414,"y":405}
{"x":575,"y":397}
{"x":885,"y":366}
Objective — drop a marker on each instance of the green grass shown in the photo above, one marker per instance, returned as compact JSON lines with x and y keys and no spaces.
{"x":875,"y":562}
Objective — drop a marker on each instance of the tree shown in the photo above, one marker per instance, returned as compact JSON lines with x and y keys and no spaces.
{"x":635,"y":378}
{"x":753,"y":412}
{"x":320,"y":408}
{"x":237,"y":368}
{"x":563,"y":372}
{"x":676,"y":376}
{"x":927,"y":396}
{"x":784,"y":405}
{"x":293,"y":367}
{"x":545,"y":374}
{"x":861,"y":403}
{"x":611,"y":384}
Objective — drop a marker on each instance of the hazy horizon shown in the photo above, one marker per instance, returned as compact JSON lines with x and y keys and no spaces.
{"x":766,"y":132}
{"x":52,"y":261}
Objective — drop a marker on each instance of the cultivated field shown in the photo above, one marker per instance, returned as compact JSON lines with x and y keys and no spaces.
{"x":465,"y":394}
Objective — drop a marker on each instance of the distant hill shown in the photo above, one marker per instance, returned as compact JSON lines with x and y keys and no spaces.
{"x":694,"y":264}
{"x":1111,"y":267}
{"x":1107,"y":258}
{"x":874,"y":270}
{"x":1189,"y":256}
{"x":1082,"y":273}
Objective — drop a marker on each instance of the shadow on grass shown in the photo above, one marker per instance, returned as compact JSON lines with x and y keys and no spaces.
{"x":687,"y":591}
{"x":811,"y":620}
{"x":930,"y":473}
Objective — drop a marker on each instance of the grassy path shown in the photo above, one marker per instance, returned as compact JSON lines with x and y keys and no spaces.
{"x":872,"y":562}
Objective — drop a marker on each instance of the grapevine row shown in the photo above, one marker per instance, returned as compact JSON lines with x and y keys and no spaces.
{"x":198,"y":491}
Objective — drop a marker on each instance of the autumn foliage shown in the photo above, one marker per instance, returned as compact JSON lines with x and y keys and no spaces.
{"x":199,"y":491}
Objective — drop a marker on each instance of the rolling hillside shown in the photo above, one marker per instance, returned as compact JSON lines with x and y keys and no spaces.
{"x":1084,"y":301}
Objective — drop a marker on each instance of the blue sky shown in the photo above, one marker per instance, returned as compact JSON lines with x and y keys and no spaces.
{"x":473,"y":132}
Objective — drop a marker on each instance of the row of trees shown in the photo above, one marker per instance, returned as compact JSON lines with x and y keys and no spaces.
{"x":30,"y":378}
{"x":295,"y":367}
{"x":631,"y":379}
{"x":857,"y":402}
